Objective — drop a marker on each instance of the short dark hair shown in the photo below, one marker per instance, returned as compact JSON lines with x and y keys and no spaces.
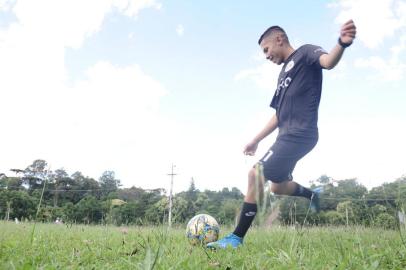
{"x":271,"y":30}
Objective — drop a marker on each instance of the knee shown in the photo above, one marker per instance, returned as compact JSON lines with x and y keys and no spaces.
{"x":255,"y":180}
{"x":252,"y":175}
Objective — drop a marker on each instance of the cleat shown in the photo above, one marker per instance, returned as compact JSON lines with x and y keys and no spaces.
{"x":230,"y":240}
{"x":315,"y":200}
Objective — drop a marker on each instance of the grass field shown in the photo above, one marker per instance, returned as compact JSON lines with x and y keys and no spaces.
{"x":107,"y":247}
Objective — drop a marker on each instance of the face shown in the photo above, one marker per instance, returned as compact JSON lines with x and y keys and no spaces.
{"x":271,"y":46}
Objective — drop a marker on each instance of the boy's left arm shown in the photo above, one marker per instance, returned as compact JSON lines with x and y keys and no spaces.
{"x":347,"y":35}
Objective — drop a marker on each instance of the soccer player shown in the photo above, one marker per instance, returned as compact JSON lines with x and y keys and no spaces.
{"x":296,"y":102}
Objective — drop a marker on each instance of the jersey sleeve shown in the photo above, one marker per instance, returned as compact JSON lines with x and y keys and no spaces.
{"x":274,"y":102}
{"x":312,"y":55}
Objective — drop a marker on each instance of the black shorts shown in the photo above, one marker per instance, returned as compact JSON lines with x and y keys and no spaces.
{"x":280,"y":161}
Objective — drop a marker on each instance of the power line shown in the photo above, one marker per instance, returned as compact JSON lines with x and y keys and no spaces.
{"x":272,"y":196}
{"x":342,"y":198}
{"x":75,"y":190}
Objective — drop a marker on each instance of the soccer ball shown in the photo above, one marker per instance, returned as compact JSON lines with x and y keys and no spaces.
{"x":202,"y":229}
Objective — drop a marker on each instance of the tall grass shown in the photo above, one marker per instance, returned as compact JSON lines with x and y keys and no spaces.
{"x":107,"y":247}
{"x":38,"y":209}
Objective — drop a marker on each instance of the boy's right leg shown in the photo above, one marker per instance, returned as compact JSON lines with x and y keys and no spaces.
{"x":278,"y":163}
{"x":249,"y":207}
{"x":248,"y":212}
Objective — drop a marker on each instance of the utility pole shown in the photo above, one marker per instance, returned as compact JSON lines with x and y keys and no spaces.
{"x":170,"y":197}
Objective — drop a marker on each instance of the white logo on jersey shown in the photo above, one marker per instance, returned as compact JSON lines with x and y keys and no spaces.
{"x":289,"y":66}
{"x":283,"y":84}
{"x":320,"y":50}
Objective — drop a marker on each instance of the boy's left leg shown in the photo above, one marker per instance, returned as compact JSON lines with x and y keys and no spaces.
{"x":279,"y":165}
{"x":291,"y":188}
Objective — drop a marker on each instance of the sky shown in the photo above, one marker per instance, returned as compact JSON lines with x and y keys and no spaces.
{"x":134,"y":86}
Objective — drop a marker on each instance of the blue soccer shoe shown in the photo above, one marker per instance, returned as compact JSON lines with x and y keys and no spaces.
{"x":230,"y":240}
{"x":315,"y":200}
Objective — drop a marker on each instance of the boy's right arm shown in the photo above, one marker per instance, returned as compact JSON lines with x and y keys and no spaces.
{"x":268,"y":129}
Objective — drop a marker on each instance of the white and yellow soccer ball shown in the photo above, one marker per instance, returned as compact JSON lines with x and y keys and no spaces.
{"x":202,"y":229}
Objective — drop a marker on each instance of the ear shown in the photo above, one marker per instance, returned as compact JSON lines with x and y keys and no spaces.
{"x":279,"y":40}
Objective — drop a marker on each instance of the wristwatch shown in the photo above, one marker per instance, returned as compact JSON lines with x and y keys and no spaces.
{"x":342,"y":44}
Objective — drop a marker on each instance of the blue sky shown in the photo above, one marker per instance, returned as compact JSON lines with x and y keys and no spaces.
{"x":134,"y":86}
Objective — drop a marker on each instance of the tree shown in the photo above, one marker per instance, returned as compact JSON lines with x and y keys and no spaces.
{"x":62,"y":184}
{"x":386,"y":221}
{"x":127,"y":214}
{"x":180,"y":210}
{"x":228,"y":211}
{"x":89,"y":210}
{"x":294,"y":210}
{"x":191,"y":193}
{"x":11,"y":183}
{"x":158,"y":213}
{"x":3,"y":181}
{"x":392,"y":195}
{"x":84,"y":186}
{"x":190,"y":196}
{"x":108,"y":183}
{"x":130,"y":194}
{"x":16,"y":204}
{"x":236,"y":194}
{"x":35,"y":174}
{"x":348,"y":189}
{"x":322,"y":180}
{"x":345,"y":209}
{"x":332,"y":218}
{"x":69,"y":214}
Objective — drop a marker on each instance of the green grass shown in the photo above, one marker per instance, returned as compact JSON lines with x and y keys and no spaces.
{"x":108,"y":247}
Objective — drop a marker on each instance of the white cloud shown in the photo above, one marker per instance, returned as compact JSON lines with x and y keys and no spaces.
{"x":112,"y":119}
{"x":400,"y":48}
{"x":131,"y":35}
{"x":69,"y":22}
{"x":356,"y":148}
{"x":180,"y":30}
{"x":52,"y":21}
{"x":340,"y":71}
{"x":387,"y":70}
{"x":108,"y":121}
{"x":132,"y":7}
{"x":109,"y":117}
{"x":265,"y":76}
{"x":32,"y":48}
{"x":378,"y":23}
{"x":84,"y":127}
{"x":126,"y":89}
{"x":6,"y":5}
{"x":375,"y":20}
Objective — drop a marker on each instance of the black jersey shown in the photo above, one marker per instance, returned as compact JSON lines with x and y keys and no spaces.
{"x":297,"y":97}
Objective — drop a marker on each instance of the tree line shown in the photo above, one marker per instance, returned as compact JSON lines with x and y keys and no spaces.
{"x":80,"y":199}
{"x":77,"y":198}
{"x":347,"y":202}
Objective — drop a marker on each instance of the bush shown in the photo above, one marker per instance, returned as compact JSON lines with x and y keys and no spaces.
{"x":332,"y":218}
{"x":385,"y":221}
